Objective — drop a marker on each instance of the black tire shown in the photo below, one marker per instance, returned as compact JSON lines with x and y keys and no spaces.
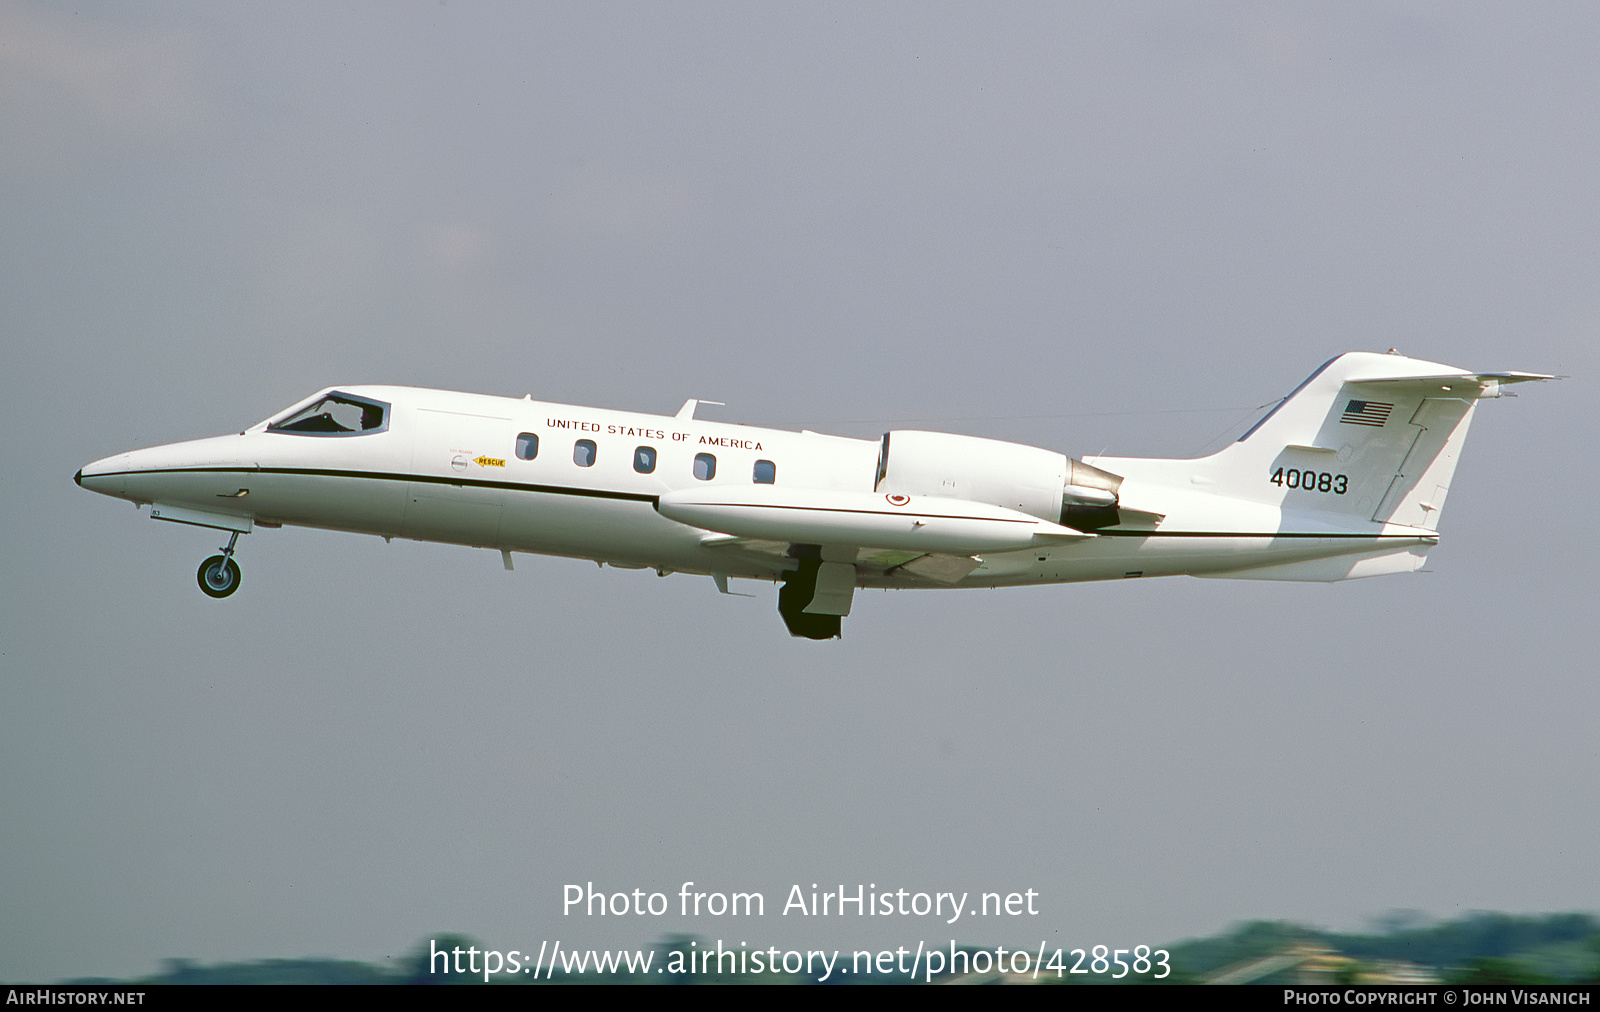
{"x":219,"y":576}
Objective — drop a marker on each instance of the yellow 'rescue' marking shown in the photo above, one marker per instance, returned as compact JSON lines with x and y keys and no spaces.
{"x":489,"y":461}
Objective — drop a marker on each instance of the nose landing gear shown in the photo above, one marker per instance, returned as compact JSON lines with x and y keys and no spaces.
{"x":219,"y":575}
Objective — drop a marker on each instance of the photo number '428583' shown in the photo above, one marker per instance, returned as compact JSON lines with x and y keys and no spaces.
{"x":1144,"y":960}
{"x":1310,"y":481}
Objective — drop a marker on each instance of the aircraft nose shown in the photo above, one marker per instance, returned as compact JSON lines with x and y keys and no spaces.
{"x":102,"y":475}
{"x":169,"y":473}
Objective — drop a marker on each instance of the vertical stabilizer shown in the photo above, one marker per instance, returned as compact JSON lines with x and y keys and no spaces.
{"x":1366,"y":438}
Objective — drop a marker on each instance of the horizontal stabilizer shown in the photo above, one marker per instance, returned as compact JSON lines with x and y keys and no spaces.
{"x":1453,"y":377}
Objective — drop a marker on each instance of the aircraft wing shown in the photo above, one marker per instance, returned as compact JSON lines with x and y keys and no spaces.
{"x":943,"y":569}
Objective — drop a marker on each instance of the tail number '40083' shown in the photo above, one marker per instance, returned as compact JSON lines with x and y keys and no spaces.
{"x":1311,"y":481}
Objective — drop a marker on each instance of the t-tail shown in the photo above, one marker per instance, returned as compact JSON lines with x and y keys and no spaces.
{"x":1366,"y":446}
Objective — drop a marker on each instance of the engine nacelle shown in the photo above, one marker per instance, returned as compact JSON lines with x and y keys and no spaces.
{"x":1032,"y":480}
{"x":1090,"y":499}
{"x":1023,"y":478}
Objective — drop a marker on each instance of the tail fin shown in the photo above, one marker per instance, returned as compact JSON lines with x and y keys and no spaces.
{"x":1368,"y":437}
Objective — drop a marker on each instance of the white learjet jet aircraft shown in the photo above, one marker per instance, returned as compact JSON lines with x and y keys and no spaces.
{"x":1344,"y":478}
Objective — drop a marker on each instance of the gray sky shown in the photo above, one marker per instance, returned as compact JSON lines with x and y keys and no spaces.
{"x":1089,"y":227}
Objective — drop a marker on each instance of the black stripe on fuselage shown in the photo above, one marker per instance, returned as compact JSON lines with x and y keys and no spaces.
{"x":600,"y":493}
{"x":423,"y":479}
{"x":1265,"y":534}
{"x":836,"y":509}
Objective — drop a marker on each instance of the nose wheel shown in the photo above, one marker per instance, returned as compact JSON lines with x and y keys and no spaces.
{"x":219,"y":575}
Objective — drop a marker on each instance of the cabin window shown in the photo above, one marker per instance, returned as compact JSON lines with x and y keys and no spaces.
{"x":766,"y":472}
{"x":583,"y":453}
{"x":527,"y":446}
{"x":336,"y":414}
{"x":644,"y":459}
{"x":705,"y":466}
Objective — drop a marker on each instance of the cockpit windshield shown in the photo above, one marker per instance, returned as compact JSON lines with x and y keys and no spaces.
{"x":336,"y":414}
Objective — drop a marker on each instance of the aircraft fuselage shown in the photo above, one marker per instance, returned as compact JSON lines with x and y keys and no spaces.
{"x":826,"y":513}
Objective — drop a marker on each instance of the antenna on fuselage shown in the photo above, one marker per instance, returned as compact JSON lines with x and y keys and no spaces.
{"x":687,"y":411}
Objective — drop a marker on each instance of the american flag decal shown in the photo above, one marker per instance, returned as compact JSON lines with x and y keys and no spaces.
{"x":1366,"y":413}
